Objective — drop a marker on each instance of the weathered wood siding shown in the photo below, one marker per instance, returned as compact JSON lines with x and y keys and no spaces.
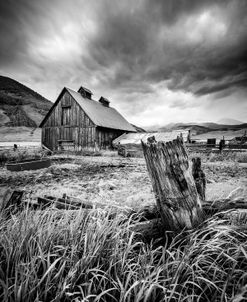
{"x":68,"y":122}
{"x":105,"y":136}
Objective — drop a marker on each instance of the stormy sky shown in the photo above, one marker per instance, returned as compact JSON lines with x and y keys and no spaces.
{"x":157,"y":61}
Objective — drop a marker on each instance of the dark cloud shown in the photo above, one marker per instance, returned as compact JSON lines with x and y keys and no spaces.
{"x":12,"y":39}
{"x":169,"y":11}
{"x":132,"y":47}
{"x":133,"y":39}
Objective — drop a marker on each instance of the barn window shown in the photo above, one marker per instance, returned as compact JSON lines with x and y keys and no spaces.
{"x":66,"y":115}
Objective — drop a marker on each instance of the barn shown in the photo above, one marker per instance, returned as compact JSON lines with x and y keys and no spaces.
{"x":77,"y":121}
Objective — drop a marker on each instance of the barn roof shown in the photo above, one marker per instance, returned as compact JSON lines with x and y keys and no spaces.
{"x":136,"y":138}
{"x":100,"y":115}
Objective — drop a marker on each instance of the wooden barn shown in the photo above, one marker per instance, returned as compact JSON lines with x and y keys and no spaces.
{"x":77,"y":121}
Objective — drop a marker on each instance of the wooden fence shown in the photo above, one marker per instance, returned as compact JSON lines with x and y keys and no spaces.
{"x":216,"y":147}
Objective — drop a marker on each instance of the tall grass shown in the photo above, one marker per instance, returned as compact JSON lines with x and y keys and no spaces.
{"x":71,"y":256}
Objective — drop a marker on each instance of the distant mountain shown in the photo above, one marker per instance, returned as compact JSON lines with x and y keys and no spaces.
{"x":20,"y":105}
{"x":138,"y":129}
{"x":202,"y":128}
{"x":229,"y":121}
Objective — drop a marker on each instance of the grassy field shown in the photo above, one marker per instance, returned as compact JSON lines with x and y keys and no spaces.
{"x":19,"y":134}
{"x":56,"y":255}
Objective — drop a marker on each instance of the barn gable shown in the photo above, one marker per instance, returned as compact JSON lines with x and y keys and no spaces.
{"x":57,"y":113}
{"x":77,"y":119}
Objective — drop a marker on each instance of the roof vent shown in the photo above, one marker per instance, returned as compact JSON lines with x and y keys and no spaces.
{"x":86,"y":93}
{"x":104,"y":101}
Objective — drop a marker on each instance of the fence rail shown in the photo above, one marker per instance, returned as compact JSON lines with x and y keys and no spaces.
{"x":216,"y":146}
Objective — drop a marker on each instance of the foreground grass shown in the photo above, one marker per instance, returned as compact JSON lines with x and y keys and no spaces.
{"x":68,"y":256}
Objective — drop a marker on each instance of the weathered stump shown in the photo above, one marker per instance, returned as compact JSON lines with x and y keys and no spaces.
{"x":175,"y":191}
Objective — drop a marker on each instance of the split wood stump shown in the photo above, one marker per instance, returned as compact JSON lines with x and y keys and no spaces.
{"x":175,"y":191}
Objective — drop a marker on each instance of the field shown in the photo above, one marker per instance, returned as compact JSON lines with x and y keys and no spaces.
{"x":116,"y":180}
{"x":63,"y":256}
{"x":19,"y":134}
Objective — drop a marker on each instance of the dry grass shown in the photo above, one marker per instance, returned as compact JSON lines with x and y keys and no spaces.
{"x":60,"y":256}
{"x":70,"y":256}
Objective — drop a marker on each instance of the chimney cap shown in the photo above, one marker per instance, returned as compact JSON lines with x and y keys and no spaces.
{"x":85,"y":92}
{"x":104,"y":101}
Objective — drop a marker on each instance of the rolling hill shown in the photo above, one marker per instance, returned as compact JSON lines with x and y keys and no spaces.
{"x":203,"y":131}
{"x":202,"y":128}
{"x":19,"y":105}
{"x":229,"y":121}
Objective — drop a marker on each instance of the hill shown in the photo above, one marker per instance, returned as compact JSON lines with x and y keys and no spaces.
{"x":201,"y":128}
{"x":138,"y":129}
{"x":20,"y":105}
{"x":229,"y":121}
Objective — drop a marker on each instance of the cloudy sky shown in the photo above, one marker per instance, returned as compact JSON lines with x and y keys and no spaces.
{"x":157,"y":61}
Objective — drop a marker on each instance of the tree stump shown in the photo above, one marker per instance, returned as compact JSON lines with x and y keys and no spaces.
{"x":175,"y":191}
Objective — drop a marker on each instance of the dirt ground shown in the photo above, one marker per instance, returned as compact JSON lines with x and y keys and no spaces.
{"x":114,"y":180}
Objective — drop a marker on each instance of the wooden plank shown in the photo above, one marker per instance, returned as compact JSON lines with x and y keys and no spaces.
{"x":15,"y":198}
{"x":59,"y":113}
{"x":79,"y":117}
{"x":90,"y":137}
{"x":42,"y":135}
{"x":93,"y":137}
{"x":86,"y":135}
{"x":199,"y":177}
{"x":71,"y":118}
{"x":74,"y":118}
{"x":100,"y":139}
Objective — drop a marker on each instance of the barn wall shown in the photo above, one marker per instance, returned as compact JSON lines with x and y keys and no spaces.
{"x":105,"y":136}
{"x":68,"y":122}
